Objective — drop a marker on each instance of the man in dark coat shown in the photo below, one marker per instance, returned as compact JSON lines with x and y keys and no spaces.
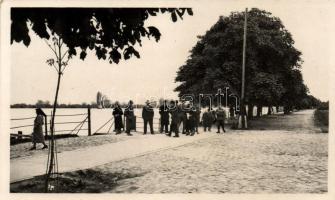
{"x":214,"y":116}
{"x":207,"y":120}
{"x":191,"y":122}
{"x":148,"y":117}
{"x":178,"y":113}
{"x":197,"y":118}
{"x":174,"y":119}
{"x":182,"y":118}
{"x":220,"y":118}
{"x":164,"y":112}
{"x":117,"y":113}
{"x":130,"y":117}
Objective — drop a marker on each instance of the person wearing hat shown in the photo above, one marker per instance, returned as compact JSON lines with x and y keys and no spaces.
{"x":207,"y":120}
{"x":174,"y":119}
{"x":190,"y":120}
{"x":182,"y":117}
{"x":117,"y":113}
{"x":37,"y":135}
{"x":197,"y":118}
{"x":164,"y":112}
{"x":148,"y":117}
{"x":130,"y":117}
{"x":220,"y":118}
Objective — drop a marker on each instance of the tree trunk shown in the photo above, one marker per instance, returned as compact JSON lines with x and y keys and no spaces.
{"x":52,"y":125}
{"x":259,"y":110}
{"x":52,"y":129}
{"x":277,"y":109}
{"x":250,"y":111}
{"x":242,"y":120}
{"x":269,"y":110}
{"x":231,"y":111}
{"x":286,"y":110}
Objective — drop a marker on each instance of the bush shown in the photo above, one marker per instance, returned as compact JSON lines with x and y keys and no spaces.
{"x":321,"y":117}
{"x":323,"y":106}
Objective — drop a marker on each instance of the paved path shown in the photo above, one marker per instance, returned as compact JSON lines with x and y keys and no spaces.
{"x":301,"y":121}
{"x":28,"y":167}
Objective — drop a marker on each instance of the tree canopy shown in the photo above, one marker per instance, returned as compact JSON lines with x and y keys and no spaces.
{"x":273,"y":64}
{"x":111,"y":32}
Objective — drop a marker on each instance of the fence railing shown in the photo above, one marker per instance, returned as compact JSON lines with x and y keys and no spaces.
{"x":111,"y":123}
{"x":111,"y":120}
{"x":72,"y":131}
{"x":156,"y":121}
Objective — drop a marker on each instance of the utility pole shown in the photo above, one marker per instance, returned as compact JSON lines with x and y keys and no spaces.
{"x":242,"y":121}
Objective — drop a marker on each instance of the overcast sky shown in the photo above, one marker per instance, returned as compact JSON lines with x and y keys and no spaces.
{"x":152,"y":76}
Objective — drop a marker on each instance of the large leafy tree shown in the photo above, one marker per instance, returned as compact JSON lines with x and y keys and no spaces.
{"x":271,"y":58}
{"x":112,"y":33}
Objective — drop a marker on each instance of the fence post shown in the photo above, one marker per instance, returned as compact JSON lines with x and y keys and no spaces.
{"x":89,"y":120}
{"x":46,"y":126}
{"x":19,"y":137}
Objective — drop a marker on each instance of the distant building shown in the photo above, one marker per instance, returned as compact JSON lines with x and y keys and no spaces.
{"x":99,"y":100}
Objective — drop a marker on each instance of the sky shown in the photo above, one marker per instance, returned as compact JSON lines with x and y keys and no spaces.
{"x":152,"y":76}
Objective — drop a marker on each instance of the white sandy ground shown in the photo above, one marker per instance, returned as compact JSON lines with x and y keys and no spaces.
{"x":254,"y":161}
{"x":245,"y":162}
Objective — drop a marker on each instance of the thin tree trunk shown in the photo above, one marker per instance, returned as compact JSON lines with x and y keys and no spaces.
{"x":250,"y":111}
{"x":231,"y":111}
{"x":52,"y":126}
{"x":52,"y":146}
{"x":288,"y":109}
{"x":269,"y":110}
{"x":259,"y":110}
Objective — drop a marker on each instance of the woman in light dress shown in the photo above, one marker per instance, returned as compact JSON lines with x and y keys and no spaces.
{"x":37,"y":135}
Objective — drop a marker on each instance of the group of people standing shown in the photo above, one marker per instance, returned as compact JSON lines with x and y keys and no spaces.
{"x":172,"y":116}
{"x":147,"y":115}
{"x":188,"y":116}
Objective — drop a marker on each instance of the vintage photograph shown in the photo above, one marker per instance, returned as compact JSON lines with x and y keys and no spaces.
{"x":207,"y":98}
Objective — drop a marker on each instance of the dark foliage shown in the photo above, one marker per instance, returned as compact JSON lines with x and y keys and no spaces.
{"x":111,"y":32}
{"x":273,"y":74}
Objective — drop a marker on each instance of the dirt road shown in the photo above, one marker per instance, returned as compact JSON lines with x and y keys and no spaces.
{"x":301,"y":121}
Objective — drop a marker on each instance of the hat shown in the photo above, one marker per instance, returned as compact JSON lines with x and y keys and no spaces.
{"x":147,"y":102}
{"x":39,"y":111}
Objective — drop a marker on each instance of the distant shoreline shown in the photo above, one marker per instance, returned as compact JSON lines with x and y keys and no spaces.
{"x":95,"y":106}
{"x":46,"y":107}
{"x":23,"y":105}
